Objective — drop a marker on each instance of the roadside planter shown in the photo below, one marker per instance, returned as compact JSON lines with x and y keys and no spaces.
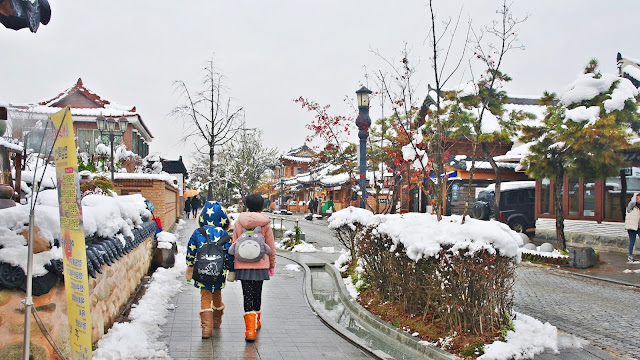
{"x":459,"y":275}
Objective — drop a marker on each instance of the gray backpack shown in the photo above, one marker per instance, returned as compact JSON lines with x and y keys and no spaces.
{"x":250,"y":246}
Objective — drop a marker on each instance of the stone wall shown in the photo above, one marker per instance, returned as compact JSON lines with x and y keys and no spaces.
{"x":109,"y":293}
{"x":164,"y":197}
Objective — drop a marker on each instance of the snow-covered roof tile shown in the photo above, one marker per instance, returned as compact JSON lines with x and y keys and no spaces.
{"x":632,"y":71}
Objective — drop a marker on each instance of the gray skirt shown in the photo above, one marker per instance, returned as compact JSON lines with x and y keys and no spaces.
{"x":252,"y":274}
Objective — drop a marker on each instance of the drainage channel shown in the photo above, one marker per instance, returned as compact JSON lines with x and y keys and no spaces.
{"x":330,"y":300}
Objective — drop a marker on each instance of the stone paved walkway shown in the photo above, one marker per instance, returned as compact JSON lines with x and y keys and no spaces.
{"x":290,"y":328}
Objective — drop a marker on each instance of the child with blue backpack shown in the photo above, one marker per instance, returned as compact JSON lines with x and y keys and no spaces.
{"x":214,"y":223}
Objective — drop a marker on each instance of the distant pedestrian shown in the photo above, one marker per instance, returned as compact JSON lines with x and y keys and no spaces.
{"x":315,"y":206}
{"x":195,"y":205}
{"x":632,"y":222}
{"x":253,"y":274}
{"x":214,"y":223}
{"x":187,"y":206}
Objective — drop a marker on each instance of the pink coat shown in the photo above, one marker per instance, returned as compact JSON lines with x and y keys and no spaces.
{"x":250,"y":220}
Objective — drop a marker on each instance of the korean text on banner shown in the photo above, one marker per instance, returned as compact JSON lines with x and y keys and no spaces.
{"x":76,"y":280}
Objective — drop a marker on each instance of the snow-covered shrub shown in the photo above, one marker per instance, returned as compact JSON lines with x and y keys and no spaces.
{"x":460,"y":275}
{"x":346,"y":224}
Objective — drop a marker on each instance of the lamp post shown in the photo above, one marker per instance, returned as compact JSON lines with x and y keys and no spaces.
{"x":108,"y":126}
{"x":281,"y":194}
{"x":363,"y":122}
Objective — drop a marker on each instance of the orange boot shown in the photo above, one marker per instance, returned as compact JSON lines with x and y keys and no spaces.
{"x":250,"y":325}
{"x":206,"y":322}
{"x":206,"y":313}
{"x":217,"y":316}
{"x":258,"y":323}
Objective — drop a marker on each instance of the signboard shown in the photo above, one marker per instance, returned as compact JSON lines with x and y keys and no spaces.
{"x":76,"y":280}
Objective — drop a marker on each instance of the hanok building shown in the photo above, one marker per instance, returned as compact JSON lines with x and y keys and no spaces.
{"x":295,"y":162}
{"x":28,"y":122}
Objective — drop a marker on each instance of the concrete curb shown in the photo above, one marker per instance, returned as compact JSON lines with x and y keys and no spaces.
{"x":571,"y":273}
{"x":377,"y":326}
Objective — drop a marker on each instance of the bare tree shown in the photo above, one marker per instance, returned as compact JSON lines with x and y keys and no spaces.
{"x":444,"y":65}
{"x":490,"y":45}
{"x":210,"y":119}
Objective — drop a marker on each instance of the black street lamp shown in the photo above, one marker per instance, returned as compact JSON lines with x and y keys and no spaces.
{"x":108,"y":126}
{"x":363,"y":122}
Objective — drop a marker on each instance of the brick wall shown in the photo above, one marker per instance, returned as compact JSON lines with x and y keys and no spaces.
{"x":164,"y":197}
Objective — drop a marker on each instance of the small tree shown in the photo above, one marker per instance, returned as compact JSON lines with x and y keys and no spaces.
{"x":333,"y":129}
{"x":245,"y":162}
{"x":583,"y":132}
{"x":488,"y":97}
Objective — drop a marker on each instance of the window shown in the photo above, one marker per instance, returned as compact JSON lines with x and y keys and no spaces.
{"x":574,"y":197}
{"x":545,"y":194}
{"x":615,"y":201}
{"x":89,"y":138}
{"x":589,"y":196}
{"x":40,"y":140}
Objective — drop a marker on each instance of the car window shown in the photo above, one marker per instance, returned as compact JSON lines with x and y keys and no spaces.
{"x":531,"y":196}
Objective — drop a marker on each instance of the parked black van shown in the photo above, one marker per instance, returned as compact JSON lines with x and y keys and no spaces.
{"x":517,"y":204}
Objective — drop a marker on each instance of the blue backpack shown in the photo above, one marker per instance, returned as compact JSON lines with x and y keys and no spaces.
{"x":208,"y":265}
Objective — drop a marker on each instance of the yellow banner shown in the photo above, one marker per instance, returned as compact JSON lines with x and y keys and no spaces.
{"x":76,"y":281}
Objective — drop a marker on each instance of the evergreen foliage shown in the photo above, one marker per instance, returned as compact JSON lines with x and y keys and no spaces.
{"x":590,"y":148}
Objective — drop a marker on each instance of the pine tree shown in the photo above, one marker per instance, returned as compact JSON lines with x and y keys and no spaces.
{"x":582,"y":135}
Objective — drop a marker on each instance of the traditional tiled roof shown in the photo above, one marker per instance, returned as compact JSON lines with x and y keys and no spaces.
{"x":302,"y":154}
{"x":174,"y":167}
{"x":66,"y":96}
{"x":629,"y":68}
{"x":86,"y":105}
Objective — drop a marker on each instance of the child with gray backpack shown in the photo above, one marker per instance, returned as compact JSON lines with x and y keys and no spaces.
{"x":254,"y":260}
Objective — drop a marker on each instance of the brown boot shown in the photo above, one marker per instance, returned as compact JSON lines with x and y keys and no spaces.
{"x":258,"y":323}
{"x":250,"y":325}
{"x":217,"y":316}
{"x":206,"y":322}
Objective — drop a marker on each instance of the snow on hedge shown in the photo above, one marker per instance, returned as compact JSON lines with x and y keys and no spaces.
{"x":423,"y":236}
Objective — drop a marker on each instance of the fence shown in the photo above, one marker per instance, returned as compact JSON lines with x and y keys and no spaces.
{"x":277,"y":224}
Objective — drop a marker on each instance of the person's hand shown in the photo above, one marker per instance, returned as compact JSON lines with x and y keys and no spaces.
{"x":231,"y":276}
{"x":272,"y":271}
{"x":189,"y":273}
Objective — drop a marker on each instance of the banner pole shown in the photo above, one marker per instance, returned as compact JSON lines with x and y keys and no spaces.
{"x":28,"y":300}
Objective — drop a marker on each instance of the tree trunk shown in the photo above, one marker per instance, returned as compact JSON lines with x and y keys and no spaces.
{"x":496,"y":171}
{"x":210,"y":187}
{"x":397,"y":183}
{"x":471,"y":177}
{"x":558,"y":195}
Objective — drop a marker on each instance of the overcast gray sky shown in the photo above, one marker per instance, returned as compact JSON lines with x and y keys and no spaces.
{"x":271,"y":52}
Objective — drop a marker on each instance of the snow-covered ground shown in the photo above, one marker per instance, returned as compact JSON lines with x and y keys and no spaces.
{"x":138,"y":338}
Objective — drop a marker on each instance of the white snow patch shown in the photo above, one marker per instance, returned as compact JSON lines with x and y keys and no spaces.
{"x":292,"y":267}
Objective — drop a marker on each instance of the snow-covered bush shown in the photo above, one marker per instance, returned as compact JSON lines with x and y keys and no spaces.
{"x":346,"y":224}
{"x":459,"y":275}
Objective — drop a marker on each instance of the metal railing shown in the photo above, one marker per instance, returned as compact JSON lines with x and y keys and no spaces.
{"x":282,"y":220}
